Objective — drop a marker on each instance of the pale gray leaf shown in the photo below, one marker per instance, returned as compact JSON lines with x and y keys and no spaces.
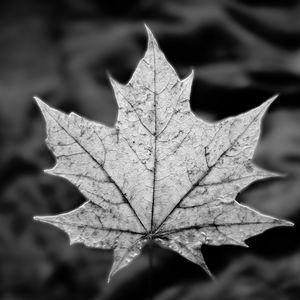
{"x":161,"y":173}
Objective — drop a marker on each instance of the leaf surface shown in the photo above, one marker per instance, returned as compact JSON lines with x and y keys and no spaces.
{"x":161,"y":173}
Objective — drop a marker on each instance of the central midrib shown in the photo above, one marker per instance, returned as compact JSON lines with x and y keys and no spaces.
{"x":155,"y":138}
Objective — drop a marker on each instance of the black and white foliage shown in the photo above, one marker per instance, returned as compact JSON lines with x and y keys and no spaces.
{"x":161,"y":173}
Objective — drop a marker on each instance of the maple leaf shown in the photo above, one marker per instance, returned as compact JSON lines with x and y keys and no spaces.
{"x":161,"y":173}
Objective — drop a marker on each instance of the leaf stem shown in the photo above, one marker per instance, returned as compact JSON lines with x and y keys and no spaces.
{"x":151,"y":269}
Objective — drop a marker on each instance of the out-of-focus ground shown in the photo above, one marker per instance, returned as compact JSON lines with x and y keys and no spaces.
{"x":242,"y":52}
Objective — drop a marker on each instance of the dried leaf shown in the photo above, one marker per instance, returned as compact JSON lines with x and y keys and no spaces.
{"x":161,"y":173}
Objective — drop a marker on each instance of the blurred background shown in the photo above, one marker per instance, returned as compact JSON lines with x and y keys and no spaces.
{"x":242,"y":51}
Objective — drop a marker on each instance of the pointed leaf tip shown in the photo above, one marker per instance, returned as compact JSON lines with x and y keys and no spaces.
{"x":37,"y":218}
{"x":151,"y":38}
{"x":41,"y":104}
{"x":265,"y":106}
{"x":272,"y":99}
{"x":190,"y":77}
{"x":108,"y":279}
{"x":262,"y":109}
{"x":49,"y":171}
{"x":287,"y":223}
{"x":280,"y":222}
{"x":38,"y":101}
{"x":112,"y":81}
{"x":147,"y":28}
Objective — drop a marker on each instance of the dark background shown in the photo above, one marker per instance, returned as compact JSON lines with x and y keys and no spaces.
{"x":242,"y":52}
